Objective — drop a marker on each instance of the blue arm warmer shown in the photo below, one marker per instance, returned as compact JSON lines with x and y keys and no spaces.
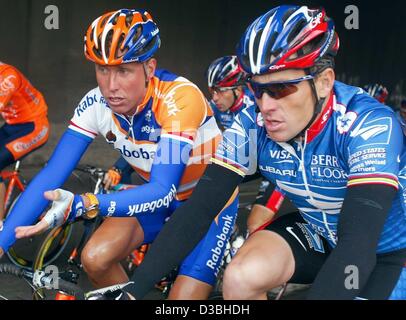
{"x":167,"y":170}
{"x":32,"y":202}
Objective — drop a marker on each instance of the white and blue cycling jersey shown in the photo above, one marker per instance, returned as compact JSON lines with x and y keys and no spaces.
{"x":356,"y":141}
{"x":225,"y":119}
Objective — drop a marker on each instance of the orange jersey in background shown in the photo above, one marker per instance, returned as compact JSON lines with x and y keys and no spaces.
{"x":20,"y":102}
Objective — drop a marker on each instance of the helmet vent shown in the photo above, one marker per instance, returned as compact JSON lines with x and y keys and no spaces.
{"x":119,"y":52}
{"x":296,"y":30}
{"x":97,"y":53}
{"x":287,"y":14}
{"x":137,"y":33}
{"x":144,"y":17}
{"x":128,"y":20}
{"x":108,"y":41}
{"x":115,"y":18}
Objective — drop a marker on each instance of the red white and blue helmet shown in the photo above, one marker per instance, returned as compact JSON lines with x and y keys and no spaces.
{"x":224,"y":72}
{"x":377,"y":91}
{"x":287,"y":37}
{"x":122,"y":36}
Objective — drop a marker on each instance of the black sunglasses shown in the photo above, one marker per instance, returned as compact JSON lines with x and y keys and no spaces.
{"x":276,"y":90}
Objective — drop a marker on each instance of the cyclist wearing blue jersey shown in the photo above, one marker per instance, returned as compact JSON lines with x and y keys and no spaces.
{"x":163,"y":127}
{"x":226,"y":84}
{"x":329,"y":148}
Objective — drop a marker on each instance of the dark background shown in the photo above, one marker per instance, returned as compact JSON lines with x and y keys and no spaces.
{"x":194,"y":32}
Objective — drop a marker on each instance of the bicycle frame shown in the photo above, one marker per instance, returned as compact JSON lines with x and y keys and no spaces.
{"x":14,"y":181}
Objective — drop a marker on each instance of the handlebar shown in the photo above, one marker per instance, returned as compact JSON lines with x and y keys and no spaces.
{"x":93,"y":171}
{"x":40,"y":279}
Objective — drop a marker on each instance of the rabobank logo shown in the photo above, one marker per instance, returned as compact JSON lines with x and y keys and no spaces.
{"x":6,"y":84}
{"x":153,"y":205}
{"x":140,"y":153}
{"x":86,"y":102}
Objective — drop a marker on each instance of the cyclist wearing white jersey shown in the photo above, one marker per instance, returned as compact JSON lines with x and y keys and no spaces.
{"x":163,"y":127}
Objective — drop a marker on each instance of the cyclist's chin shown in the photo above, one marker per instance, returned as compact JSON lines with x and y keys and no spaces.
{"x":282,"y":132}
{"x":121,"y":109}
{"x":278,"y":134}
{"x":222,"y":108}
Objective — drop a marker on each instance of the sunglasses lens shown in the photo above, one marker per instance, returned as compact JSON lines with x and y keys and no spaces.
{"x":275,"y":91}
{"x":212,"y":91}
{"x":283,"y":90}
{"x":255,"y":89}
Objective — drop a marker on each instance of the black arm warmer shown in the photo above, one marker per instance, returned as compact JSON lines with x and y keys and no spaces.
{"x":252,"y":177}
{"x":362,"y":218}
{"x":186,"y":227}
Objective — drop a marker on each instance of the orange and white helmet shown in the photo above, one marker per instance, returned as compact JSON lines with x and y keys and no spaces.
{"x":122,"y":36}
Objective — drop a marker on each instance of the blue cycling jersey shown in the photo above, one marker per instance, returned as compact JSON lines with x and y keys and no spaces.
{"x":225,"y":119}
{"x":356,"y":141}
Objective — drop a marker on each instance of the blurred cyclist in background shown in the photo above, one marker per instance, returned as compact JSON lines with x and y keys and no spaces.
{"x":24,"y":110}
{"x":401,"y":115}
{"x":229,"y":95}
{"x":377,"y":91}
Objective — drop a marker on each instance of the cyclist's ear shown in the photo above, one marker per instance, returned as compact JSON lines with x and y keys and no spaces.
{"x":150,"y":67}
{"x":239,"y":90}
{"x":324,"y":82}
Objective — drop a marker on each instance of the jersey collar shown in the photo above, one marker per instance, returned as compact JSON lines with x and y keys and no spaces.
{"x":321,"y":122}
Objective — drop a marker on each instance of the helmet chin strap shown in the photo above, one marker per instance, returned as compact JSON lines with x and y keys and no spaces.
{"x":237,"y":102}
{"x":146,"y":85}
{"x":145,"y":74}
{"x":316,"y":111}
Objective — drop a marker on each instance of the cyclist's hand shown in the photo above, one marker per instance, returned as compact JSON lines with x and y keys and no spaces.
{"x":111,"y":178}
{"x":56,"y":216}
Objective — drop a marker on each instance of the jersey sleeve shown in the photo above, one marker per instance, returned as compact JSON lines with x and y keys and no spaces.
{"x":10,"y":81}
{"x":184,"y":110}
{"x":157,"y":195}
{"x":374,"y":149}
{"x":32,"y":203}
{"x":86,"y":117}
{"x":237,"y":150}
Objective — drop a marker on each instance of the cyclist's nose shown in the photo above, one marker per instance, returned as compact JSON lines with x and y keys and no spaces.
{"x":267,"y":103}
{"x":112,"y":82}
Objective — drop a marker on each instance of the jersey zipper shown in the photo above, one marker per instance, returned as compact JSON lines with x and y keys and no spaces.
{"x":130,"y":124}
{"x":302,"y":147}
